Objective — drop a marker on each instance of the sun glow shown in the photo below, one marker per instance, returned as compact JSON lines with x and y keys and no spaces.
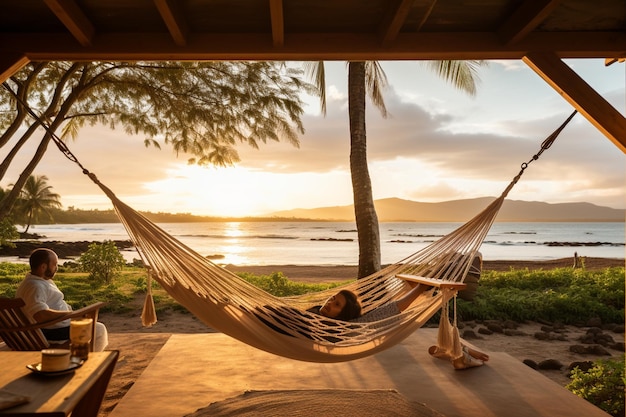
{"x":240,"y":192}
{"x":211,"y":191}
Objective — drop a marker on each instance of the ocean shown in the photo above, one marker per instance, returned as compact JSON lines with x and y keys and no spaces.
{"x":335,"y":243}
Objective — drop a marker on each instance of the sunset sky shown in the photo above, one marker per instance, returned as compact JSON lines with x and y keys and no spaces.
{"x":438,"y":144}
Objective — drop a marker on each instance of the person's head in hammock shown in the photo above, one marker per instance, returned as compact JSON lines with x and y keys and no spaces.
{"x":342,"y":306}
{"x":345,"y":305}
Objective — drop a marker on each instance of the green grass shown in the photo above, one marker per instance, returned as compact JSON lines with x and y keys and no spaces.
{"x":564,"y":295}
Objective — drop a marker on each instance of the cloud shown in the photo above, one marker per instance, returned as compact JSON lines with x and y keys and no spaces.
{"x":432,"y":146}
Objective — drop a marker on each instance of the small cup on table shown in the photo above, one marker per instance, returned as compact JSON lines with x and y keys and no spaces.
{"x":80,"y":336}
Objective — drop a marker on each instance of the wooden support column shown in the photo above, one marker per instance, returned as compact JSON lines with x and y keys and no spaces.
{"x":580,"y":95}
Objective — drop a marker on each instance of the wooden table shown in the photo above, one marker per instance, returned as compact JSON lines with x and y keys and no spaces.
{"x":79,"y":393}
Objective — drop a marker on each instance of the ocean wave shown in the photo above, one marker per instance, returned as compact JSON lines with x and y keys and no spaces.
{"x":553,"y":244}
{"x":212,"y":236}
{"x":416,"y":235}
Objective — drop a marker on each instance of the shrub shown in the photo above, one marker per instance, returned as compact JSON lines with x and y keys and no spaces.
{"x":563,"y":294}
{"x":102,"y":261}
{"x":8,"y":232}
{"x":602,"y":385}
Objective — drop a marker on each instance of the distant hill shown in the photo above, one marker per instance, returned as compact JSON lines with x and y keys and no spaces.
{"x":396,"y":209}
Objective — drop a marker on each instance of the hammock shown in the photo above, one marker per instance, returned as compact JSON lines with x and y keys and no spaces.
{"x":281,"y":325}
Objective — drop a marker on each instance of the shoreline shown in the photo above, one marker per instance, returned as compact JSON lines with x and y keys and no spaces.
{"x":332,"y":273}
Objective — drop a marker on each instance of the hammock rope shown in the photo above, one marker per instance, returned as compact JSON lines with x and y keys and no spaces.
{"x":281,"y":325}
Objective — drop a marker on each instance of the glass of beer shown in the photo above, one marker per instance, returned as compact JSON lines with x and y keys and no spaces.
{"x":80,"y":336}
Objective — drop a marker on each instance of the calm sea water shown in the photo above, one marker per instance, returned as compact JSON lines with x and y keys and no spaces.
{"x":322,"y":243}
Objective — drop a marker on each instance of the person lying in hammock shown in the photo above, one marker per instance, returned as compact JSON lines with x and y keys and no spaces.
{"x":345,"y":306}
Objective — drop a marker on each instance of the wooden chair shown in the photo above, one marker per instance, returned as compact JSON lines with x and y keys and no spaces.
{"x":20,"y":332}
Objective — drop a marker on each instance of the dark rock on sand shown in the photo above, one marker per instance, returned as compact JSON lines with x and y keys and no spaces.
{"x":531,"y":363}
{"x":550,"y":364}
{"x":514,"y":332}
{"x":595,"y":335}
{"x":590,"y":349}
{"x":469,"y":334}
{"x":484,"y":330}
{"x":582,"y":365}
{"x":495,"y":327}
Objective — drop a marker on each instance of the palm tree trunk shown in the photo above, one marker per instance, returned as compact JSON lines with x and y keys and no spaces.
{"x":364,"y":210}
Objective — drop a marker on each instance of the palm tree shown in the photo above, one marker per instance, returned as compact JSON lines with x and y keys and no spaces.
{"x":36,"y":198}
{"x":368,"y":77}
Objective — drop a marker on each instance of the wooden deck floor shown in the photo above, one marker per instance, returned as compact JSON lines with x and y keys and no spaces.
{"x":193,"y":370}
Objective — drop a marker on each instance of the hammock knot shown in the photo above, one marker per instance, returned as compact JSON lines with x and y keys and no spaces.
{"x":92,"y":176}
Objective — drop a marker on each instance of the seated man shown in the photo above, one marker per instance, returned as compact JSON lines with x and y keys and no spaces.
{"x":44,"y":301}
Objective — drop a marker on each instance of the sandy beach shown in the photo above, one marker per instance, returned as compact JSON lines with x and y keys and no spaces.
{"x":138,"y":345}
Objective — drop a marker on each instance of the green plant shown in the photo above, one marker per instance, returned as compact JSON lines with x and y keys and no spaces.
{"x":563,"y":294}
{"x":279,"y":285}
{"x":602,"y":385}
{"x":102,"y":261}
{"x":8,"y":232}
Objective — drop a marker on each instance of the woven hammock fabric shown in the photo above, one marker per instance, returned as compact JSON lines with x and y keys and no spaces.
{"x":281,"y":325}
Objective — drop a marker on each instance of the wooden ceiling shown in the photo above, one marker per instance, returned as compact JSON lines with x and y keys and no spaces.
{"x":540,"y":32}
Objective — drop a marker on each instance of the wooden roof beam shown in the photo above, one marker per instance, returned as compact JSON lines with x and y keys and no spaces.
{"x":390,"y":27}
{"x":74,"y":20}
{"x":10,"y":63}
{"x":311,"y":47}
{"x":580,"y":95}
{"x":174,"y":20}
{"x":526,"y":19}
{"x":278,"y":23}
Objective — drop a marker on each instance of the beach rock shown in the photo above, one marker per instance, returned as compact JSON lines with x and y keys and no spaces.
{"x":595,"y":336}
{"x":618,"y":328}
{"x":619,"y":346}
{"x":582,"y":365}
{"x":598,"y":350}
{"x":484,"y":330}
{"x":591,"y":349}
{"x":587,"y":339}
{"x":580,"y":349}
{"x":495,"y":327}
{"x":542,"y":336}
{"x":514,"y":332}
{"x":605,"y":339}
{"x":531,"y":363}
{"x":469,"y":334}
{"x":550,"y":364}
